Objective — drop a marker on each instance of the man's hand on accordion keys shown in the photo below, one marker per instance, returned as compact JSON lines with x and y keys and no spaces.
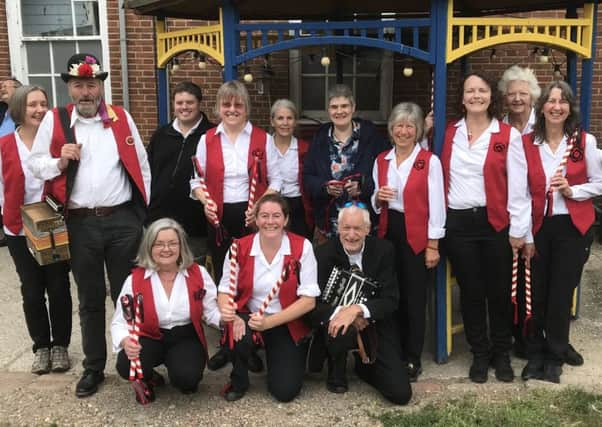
{"x":345,"y":317}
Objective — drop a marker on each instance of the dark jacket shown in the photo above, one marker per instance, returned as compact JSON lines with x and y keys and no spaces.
{"x":377,"y":263}
{"x":169,"y":156}
{"x":316,"y":168}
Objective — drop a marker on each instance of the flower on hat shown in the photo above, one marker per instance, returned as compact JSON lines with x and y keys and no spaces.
{"x":89,"y":68}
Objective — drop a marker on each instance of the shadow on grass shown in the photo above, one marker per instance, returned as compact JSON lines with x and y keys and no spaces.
{"x":541,"y":408}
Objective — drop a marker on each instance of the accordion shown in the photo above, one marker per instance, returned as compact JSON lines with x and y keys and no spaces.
{"x":348,"y":287}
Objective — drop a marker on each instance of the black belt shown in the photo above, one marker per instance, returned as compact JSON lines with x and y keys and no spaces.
{"x":98,"y":211}
{"x":475,"y":210}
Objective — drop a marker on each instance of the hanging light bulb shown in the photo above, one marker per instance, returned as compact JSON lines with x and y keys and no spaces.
{"x":557,"y":72}
{"x":248,"y":77}
{"x":408,"y":71}
{"x":493,"y":55}
{"x":545,"y":55}
{"x":175,"y":64}
{"x":202,"y":61}
{"x":325,"y":60}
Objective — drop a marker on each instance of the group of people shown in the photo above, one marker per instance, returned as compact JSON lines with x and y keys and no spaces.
{"x":281,"y":214}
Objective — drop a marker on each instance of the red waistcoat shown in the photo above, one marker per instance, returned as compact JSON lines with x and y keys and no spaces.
{"x":581,"y":212}
{"x":14,"y":183}
{"x":494,"y":173}
{"x":288,"y":292}
{"x":214,"y":169}
{"x":196,"y":292}
{"x":303,"y":148}
{"x":415,"y":200}
{"x":125,"y":147}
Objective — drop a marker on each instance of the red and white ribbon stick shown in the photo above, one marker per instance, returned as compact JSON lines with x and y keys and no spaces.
{"x":232,"y":289}
{"x":253,"y":185}
{"x":127,"y":306}
{"x":220,"y":235}
{"x":514,"y":286}
{"x":275,"y":289}
{"x":528,"y":306}
{"x":560,"y":169}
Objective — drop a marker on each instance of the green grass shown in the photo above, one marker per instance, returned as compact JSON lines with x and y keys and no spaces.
{"x":539,"y":408}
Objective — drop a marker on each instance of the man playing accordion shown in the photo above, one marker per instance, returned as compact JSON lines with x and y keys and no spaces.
{"x":337,"y":327}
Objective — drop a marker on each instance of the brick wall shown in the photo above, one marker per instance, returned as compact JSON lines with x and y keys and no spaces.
{"x":143,"y":81}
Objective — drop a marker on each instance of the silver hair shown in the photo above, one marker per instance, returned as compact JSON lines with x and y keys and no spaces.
{"x":352,"y":209}
{"x":523,"y":74}
{"x":233,"y":89}
{"x":144,"y":257}
{"x":284,"y":103}
{"x":407,"y":112}
{"x":342,"y":91}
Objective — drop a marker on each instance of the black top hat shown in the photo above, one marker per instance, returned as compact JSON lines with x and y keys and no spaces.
{"x":83,"y":66}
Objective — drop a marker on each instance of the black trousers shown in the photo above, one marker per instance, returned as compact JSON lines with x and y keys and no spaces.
{"x":413,"y":278}
{"x":50,"y":325}
{"x":556,"y":269}
{"x":179,"y":349}
{"x":481,"y":259}
{"x":95,"y":241}
{"x":296,"y":220}
{"x":233,"y":221}
{"x":388,"y":374}
{"x":285,"y":362}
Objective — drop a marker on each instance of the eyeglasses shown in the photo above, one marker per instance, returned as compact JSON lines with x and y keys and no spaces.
{"x":360,"y":205}
{"x":168,"y":245}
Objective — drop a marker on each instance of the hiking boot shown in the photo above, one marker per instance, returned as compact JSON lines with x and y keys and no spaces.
{"x":478,"y":372}
{"x":59,"y":358}
{"x":414,"y":371}
{"x":41,"y":361}
{"x":503,"y":368}
{"x":533,"y":370}
{"x":572,"y":357}
{"x":552,"y":372}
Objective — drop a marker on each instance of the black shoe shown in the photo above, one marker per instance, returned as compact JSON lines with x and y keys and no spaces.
{"x":479,"y":369}
{"x":532,"y":370}
{"x":189,"y":390}
{"x":414,"y":371}
{"x":572,"y":357}
{"x":231,"y":394}
{"x":336,"y":381}
{"x":88,"y":383}
{"x":503,"y":368}
{"x":3,"y":241}
{"x":255,"y":363}
{"x":219,"y":359}
{"x":552,"y":372}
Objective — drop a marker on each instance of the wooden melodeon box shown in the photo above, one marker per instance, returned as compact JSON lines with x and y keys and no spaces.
{"x":45,"y":231}
{"x":348,"y":287}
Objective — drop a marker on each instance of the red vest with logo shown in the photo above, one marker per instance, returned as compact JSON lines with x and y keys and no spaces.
{"x":303,"y":148}
{"x":14,"y":183}
{"x":494,"y":173}
{"x":581,"y":212}
{"x":415,"y":200}
{"x":288,"y":291}
{"x":196,"y":293}
{"x":214,"y":173}
{"x":125,"y":147}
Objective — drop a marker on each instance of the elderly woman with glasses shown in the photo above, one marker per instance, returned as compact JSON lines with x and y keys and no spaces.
{"x":177,"y":294}
{"x":411,"y":206}
{"x":520,"y":91}
{"x":338,"y":166}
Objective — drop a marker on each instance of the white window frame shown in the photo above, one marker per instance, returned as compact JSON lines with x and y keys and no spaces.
{"x":386,"y":90}
{"x":18,"y":51}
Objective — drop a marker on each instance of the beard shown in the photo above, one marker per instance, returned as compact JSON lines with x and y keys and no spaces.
{"x":89,"y":109}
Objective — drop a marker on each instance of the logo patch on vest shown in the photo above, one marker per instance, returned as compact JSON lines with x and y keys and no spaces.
{"x":576,"y":154}
{"x":498,"y":147}
{"x":419,"y":164}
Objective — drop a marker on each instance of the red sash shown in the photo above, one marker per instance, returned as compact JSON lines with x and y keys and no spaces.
{"x":14,"y":183}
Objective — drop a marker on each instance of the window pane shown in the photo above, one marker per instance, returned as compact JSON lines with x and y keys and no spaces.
{"x":61,"y":52}
{"x":311,"y":64}
{"x":312,"y":97}
{"x":38,"y":57}
{"x":94,"y":47}
{"x":367,"y":93}
{"x":44,"y":82}
{"x":86,"y":18}
{"x":46,"y":17}
{"x":62,"y":96}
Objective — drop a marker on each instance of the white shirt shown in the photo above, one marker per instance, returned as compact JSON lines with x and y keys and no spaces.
{"x":176,"y":125}
{"x":236,"y":174}
{"x":530,"y":122}
{"x":397,"y":177}
{"x":33,"y":186}
{"x":171,"y":311}
{"x":265,"y":275}
{"x":101,"y":179}
{"x":288,"y":165}
{"x":467,"y":182}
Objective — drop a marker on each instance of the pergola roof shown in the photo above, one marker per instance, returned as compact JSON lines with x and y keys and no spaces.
{"x":341,"y":9}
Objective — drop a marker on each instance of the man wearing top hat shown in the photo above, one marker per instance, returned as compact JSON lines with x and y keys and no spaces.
{"x":101,"y":174}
